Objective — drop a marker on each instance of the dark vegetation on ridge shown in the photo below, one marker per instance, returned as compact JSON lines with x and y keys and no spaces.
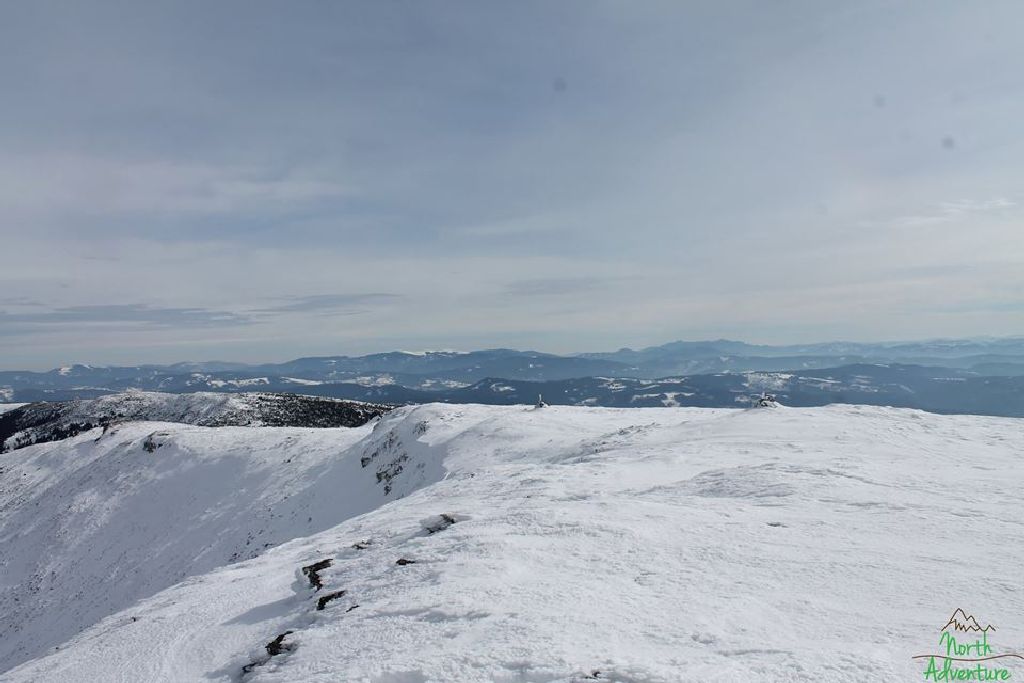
{"x":42,"y":422}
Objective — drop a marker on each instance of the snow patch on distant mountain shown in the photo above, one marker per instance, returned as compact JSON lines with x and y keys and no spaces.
{"x":430,"y":384}
{"x":370,"y":380}
{"x":761,"y":381}
{"x":303,"y":382}
{"x":246,"y":382}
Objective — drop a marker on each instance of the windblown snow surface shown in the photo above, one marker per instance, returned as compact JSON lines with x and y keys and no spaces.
{"x":553,"y":545}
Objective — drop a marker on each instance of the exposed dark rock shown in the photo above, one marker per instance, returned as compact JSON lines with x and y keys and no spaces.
{"x":277,"y":645}
{"x":151,"y":443}
{"x":388,"y":472}
{"x":312,"y":572}
{"x":274,"y":648}
{"x":402,"y":562}
{"x":324,"y":599}
{"x":388,"y":444}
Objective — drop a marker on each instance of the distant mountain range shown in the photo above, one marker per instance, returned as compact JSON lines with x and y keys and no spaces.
{"x":996,"y":356}
{"x":980,"y":376}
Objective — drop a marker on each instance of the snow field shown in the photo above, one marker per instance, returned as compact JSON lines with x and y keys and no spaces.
{"x":633,"y":545}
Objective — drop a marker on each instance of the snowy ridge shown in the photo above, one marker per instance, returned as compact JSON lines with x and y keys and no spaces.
{"x":92,"y":524}
{"x":7,"y":407}
{"x":41,"y":422}
{"x":569,"y":544}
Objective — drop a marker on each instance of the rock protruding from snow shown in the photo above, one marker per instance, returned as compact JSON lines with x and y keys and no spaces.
{"x":42,"y":422}
{"x":312,"y":572}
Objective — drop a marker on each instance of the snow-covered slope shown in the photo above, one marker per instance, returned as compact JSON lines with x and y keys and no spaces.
{"x":90,"y":525}
{"x":562,"y":544}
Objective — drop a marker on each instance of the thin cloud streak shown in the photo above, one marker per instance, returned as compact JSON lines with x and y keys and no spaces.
{"x":121,"y":315}
{"x":328,"y":303}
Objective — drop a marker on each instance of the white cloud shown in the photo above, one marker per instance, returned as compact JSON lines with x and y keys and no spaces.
{"x":776,"y":174}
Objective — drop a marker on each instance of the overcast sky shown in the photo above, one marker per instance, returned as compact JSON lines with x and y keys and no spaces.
{"x":263,"y":180}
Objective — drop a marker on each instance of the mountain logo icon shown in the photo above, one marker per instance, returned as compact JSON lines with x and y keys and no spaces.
{"x":961,"y":621}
